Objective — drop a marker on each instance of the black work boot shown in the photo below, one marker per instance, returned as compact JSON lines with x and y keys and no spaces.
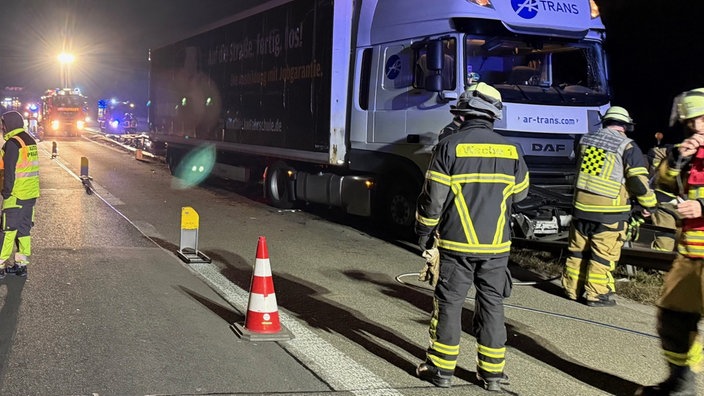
{"x":493,"y":383}
{"x":17,"y":269}
{"x":603,"y":300}
{"x":431,"y":374}
{"x":681,"y":382}
{"x":2,"y":273}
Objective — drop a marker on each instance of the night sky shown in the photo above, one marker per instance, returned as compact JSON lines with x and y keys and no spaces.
{"x":110,"y":39}
{"x":653,"y":47}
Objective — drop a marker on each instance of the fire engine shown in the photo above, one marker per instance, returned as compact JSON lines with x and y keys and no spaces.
{"x":63,"y":113}
{"x":116,"y":117}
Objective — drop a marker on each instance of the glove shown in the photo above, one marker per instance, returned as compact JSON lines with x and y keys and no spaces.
{"x":633,"y":227}
{"x":431,"y":270}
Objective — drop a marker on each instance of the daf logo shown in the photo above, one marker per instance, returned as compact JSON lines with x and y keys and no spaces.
{"x":547,"y":147}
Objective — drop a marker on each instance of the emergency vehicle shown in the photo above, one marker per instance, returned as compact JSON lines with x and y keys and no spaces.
{"x":340,"y":102}
{"x":116,"y":117}
{"x":63,"y":113}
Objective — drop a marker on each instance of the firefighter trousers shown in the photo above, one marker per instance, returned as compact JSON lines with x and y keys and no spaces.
{"x":594,"y":249}
{"x":17,"y":221}
{"x":681,"y":306}
{"x":492,"y":281}
{"x":666,"y":217}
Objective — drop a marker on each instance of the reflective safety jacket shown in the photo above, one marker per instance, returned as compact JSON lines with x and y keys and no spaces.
{"x":611,"y":171}
{"x":20,"y":164}
{"x":474,"y":177}
{"x":685,"y":176}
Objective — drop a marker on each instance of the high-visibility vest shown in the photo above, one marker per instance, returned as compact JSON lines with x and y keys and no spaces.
{"x":26,"y":184}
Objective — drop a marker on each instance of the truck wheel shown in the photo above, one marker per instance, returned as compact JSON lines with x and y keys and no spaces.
{"x":400,"y":207}
{"x":277,"y":191}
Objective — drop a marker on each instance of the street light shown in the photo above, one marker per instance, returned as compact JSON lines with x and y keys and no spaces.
{"x":65,"y":60}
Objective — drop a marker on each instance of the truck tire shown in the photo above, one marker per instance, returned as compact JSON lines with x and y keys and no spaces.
{"x":399,"y":207}
{"x":277,"y":188}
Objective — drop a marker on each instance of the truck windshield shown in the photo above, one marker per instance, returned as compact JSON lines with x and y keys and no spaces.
{"x":68,"y":101}
{"x":540,"y":72}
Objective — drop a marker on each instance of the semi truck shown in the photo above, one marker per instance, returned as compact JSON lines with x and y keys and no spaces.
{"x":340,"y":102}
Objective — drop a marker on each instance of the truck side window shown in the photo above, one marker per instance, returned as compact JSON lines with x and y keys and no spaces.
{"x":448,"y":69}
{"x":364,"y":79}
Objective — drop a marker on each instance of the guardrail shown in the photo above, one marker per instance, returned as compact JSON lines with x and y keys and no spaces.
{"x":638,"y":255}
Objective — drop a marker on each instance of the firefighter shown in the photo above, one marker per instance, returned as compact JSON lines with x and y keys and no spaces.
{"x":681,"y":303}
{"x":473,"y":179}
{"x":611,"y":169}
{"x":666,"y":216}
{"x":20,"y":190}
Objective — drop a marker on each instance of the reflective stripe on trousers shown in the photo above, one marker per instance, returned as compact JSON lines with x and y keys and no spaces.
{"x":493,"y":282}
{"x":594,"y":249}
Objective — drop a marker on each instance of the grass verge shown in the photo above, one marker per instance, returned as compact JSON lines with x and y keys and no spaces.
{"x":641,"y":286}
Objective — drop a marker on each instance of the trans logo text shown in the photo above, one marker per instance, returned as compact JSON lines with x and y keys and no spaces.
{"x":528,"y":9}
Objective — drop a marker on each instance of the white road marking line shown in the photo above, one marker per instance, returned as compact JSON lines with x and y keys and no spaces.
{"x":337,"y":369}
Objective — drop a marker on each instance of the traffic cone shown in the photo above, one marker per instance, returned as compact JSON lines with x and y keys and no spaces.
{"x":262,"y":320}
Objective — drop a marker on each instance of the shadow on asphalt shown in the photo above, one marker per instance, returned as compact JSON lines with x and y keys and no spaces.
{"x":8,"y":318}
{"x":519,"y":338}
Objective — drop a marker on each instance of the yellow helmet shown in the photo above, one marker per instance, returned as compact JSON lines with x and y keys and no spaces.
{"x":481,"y":100}
{"x":690,"y":104}
{"x":618,"y":114}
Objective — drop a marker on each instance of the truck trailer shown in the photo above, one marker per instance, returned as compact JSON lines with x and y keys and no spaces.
{"x":340,"y":102}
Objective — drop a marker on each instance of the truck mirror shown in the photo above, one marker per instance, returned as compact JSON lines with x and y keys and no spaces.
{"x":433,"y":82}
{"x":435,"y":56}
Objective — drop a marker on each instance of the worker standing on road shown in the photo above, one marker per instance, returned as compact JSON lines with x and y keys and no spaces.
{"x":611,"y":169}
{"x":20,"y":190}
{"x":681,"y":303}
{"x":473,"y":179}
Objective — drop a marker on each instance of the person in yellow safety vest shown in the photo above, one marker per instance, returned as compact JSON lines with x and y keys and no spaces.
{"x":681,"y":303}
{"x":611,"y":169}
{"x":474,"y":177}
{"x":666,"y":216}
{"x":20,"y":190}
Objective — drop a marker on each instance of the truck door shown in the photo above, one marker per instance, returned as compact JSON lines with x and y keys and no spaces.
{"x":404,"y":111}
{"x":392,"y":91}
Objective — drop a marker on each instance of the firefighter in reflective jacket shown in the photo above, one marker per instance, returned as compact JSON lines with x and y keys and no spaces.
{"x":611,"y":170}
{"x":473,"y":179}
{"x":20,"y":190}
{"x":681,"y":303}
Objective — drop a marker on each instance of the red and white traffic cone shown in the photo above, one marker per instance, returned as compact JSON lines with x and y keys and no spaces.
{"x":262,"y":321}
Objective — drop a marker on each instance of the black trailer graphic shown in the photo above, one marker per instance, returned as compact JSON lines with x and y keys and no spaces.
{"x":262,"y":80}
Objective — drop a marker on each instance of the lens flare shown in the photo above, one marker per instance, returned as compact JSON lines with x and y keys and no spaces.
{"x":195,"y":167}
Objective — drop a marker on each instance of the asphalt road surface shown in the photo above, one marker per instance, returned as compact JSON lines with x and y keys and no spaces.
{"x":108,"y":308}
